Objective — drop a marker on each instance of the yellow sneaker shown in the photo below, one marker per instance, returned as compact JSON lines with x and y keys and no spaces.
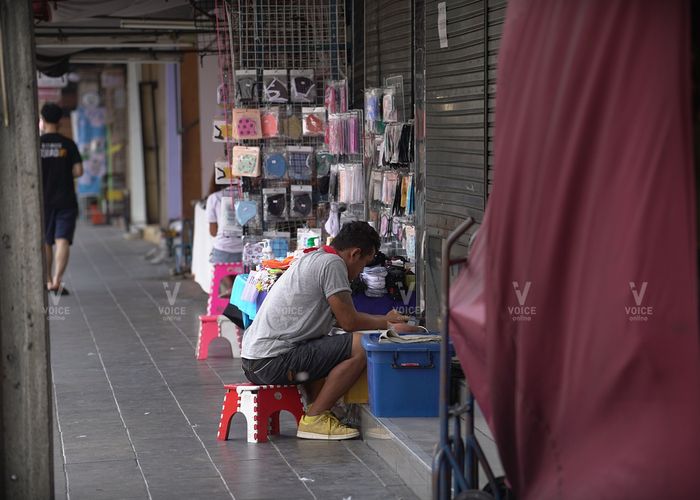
{"x":324,"y":426}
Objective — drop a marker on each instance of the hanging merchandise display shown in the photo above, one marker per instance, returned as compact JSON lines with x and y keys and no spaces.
{"x":373,"y":116}
{"x":246,"y":161}
{"x":246,"y":124}
{"x":389,"y":110}
{"x":291,"y":126}
{"x":303,"y":86}
{"x":344,"y":133}
{"x":221,"y":130}
{"x":300,"y":162}
{"x":275,"y":86}
{"x":351,"y":183}
{"x":274,"y":163}
{"x":247,"y":86}
{"x":275,"y":202}
{"x":314,"y":121}
{"x":270,"y":122}
{"x":246,"y":210}
{"x":336,"y":96}
{"x":301,"y":202}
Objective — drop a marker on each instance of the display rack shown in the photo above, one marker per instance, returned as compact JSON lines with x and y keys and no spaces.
{"x":254,"y":38}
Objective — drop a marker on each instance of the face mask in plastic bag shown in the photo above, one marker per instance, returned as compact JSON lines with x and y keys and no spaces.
{"x":314,"y":121}
{"x":246,"y":161}
{"x":247,"y":85}
{"x":275,"y":86}
{"x":303,"y":86}
{"x":300,"y":161}
{"x":275,"y":203}
{"x":246,"y":210}
{"x":246,"y":124}
{"x":302,"y":202}
{"x":275,"y":165}
{"x":269,"y":123}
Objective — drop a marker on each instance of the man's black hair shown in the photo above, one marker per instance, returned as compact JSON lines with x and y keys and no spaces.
{"x":51,"y":113}
{"x":357,"y":234}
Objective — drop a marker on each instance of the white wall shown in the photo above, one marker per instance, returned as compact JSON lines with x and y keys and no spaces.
{"x":208,"y":109}
{"x":136,"y":177}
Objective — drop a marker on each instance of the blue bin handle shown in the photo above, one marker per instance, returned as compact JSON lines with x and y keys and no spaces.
{"x":395,"y":364}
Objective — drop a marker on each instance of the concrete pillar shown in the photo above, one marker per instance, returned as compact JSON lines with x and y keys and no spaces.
{"x":26,"y":468}
{"x":135,"y":178}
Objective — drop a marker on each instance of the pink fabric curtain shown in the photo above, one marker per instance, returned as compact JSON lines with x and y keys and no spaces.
{"x":577,"y":318}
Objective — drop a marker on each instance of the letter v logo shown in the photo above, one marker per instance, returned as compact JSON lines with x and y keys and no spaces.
{"x":521,"y":295}
{"x":638,"y":295}
{"x":172,"y":295}
{"x":55,"y":297}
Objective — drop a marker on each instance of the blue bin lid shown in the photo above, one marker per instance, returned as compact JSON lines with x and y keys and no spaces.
{"x":370,"y":342}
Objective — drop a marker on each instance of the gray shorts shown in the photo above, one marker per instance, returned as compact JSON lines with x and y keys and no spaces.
{"x":308,"y":361}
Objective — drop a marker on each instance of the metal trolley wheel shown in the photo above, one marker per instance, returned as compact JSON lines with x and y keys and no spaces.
{"x":457,"y":459}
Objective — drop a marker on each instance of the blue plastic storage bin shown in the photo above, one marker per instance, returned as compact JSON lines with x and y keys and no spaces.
{"x":403,"y":379}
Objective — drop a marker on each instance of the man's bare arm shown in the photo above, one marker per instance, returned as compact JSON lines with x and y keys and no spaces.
{"x":78,"y":169}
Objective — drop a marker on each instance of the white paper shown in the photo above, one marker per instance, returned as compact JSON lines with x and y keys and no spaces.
{"x":442,"y":24}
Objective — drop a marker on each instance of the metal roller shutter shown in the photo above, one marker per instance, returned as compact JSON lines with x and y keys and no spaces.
{"x":388,"y":46}
{"x":460,"y":105}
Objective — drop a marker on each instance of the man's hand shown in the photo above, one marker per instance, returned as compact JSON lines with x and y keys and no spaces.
{"x":394,"y":316}
{"x":405,"y":328}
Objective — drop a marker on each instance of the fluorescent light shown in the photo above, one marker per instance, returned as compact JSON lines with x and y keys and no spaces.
{"x":151,"y":45}
{"x":157,"y":24}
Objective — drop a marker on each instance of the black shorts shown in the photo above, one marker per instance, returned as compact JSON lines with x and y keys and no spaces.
{"x":308,"y":361}
{"x":60,"y":224}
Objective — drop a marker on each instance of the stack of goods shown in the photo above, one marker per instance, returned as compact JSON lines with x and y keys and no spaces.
{"x":375,"y":279}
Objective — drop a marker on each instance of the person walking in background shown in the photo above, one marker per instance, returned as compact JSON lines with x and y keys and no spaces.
{"x":61,"y":163}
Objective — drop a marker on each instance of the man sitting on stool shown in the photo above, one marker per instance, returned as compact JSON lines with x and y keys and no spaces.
{"x":289,"y":341}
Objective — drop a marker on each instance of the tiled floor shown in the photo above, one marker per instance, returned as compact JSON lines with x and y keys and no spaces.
{"x":136,"y":414}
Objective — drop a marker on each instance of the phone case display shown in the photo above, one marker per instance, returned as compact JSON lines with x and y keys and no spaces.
{"x":344,"y":134}
{"x":314,"y":121}
{"x":221,"y":130}
{"x":373,"y":110}
{"x":270,"y":122}
{"x":247,"y":85}
{"x":275,"y":86}
{"x":274,"y":163}
{"x":389,"y":109}
{"x":275,"y":203}
{"x":303,"y":86}
{"x":246,"y":161}
{"x":351,"y":183}
{"x":377,"y":180}
{"x":336,"y":96}
{"x":246,"y":211}
{"x":246,"y":124}
{"x":300,"y":162}
{"x":301,"y":203}
{"x":390,"y":182}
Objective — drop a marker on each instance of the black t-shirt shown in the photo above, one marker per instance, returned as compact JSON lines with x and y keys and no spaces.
{"x":58,"y":155}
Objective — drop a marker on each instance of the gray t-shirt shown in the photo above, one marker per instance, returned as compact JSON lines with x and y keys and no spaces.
{"x":296,"y":309}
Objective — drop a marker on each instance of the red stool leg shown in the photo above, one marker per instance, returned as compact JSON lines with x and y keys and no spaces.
{"x":275,"y":423}
{"x":208,"y":331}
{"x":228,"y":410}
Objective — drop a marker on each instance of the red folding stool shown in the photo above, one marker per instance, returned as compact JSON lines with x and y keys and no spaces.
{"x":261,"y":405}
